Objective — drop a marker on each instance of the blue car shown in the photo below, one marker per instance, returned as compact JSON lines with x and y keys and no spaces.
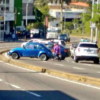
{"x":37,"y":50}
{"x":65,"y":52}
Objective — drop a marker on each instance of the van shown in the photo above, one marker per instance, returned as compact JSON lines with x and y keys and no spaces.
{"x":53,"y":33}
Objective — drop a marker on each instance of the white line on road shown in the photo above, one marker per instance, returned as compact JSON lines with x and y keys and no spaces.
{"x":59,"y":64}
{"x":1,"y":80}
{"x":78,"y":68}
{"x":32,"y":93}
{"x":83,"y":84}
{"x":15,"y":86}
{"x":87,"y":85}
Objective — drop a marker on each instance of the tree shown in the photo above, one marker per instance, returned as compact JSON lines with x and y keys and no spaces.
{"x":96,"y":17}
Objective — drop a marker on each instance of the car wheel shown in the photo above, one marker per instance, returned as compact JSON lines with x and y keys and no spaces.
{"x":15,"y":56}
{"x":43,"y":57}
{"x":96,"y":61}
{"x":76,"y":59}
{"x":63,"y":58}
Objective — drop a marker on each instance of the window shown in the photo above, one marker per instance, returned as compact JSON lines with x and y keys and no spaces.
{"x":39,"y":47}
{"x":31,"y":46}
{"x":89,"y":45}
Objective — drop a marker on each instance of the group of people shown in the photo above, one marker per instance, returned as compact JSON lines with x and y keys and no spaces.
{"x":84,"y":40}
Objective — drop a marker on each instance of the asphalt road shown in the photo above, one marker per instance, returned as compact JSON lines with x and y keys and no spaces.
{"x":20,"y":84}
{"x":68,"y":65}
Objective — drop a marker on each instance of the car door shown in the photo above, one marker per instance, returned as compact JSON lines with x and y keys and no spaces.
{"x":38,"y":49}
{"x":28,"y":51}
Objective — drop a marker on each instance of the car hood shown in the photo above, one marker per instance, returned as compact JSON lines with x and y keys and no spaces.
{"x":18,"y":48}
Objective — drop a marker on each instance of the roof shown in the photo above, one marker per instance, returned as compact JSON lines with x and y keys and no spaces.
{"x":80,"y":4}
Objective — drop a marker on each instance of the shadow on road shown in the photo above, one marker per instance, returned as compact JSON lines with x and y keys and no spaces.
{"x":88,"y":63}
{"x":30,"y":95}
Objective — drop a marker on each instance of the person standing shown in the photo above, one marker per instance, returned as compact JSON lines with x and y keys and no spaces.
{"x":57,"y":52}
{"x":82,"y":40}
{"x":13,"y":36}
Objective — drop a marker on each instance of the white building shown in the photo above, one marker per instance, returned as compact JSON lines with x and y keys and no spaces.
{"x":71,"y":11}
{"x":9,"y":16}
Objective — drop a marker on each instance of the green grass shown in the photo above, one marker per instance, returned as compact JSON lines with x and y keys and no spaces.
{"x":79,"y":33}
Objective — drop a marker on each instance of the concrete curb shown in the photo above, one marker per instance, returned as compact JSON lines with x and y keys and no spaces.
{"x":74,"y":77}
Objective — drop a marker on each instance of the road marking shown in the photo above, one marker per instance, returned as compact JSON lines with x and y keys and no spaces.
{"x":59,"y":64}
{"x":87,"y":85}
{"x":1,"y":80}
{"x":32,"y":93}
{"x":15,"y":86}
{"x":79,"y":83}
{"x":78,"y":68}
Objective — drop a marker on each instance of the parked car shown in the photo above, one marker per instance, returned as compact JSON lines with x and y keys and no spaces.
{"x":31,"y":40}
{"x":87,"y":51}
{"x":64,"y":51}
{"x":37,"y":50}
{"x":64,"y":37}
{"x":60,"y":42}
{"x":72,"y":49}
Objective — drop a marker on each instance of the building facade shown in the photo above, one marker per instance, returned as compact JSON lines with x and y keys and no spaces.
{"x":13,"y":13}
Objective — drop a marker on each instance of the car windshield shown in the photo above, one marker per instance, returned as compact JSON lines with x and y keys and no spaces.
{"x":63,"y":35}
{"x":89,"y":45}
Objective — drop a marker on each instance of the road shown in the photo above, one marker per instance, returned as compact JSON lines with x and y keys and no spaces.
{"x":81,"y":68}
{"x":21,"y":84}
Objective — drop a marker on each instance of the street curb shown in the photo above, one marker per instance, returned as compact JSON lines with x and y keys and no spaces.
{"x":69,"y":76}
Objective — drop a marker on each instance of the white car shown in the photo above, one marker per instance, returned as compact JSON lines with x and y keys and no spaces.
{"x":87,"y":51}
{"x":60,"y":42}
{"x":72,"y":49}
{"x":32,"y":40}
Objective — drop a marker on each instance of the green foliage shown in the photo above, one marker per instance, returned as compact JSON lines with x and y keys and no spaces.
{"x":87,"y":26}
{"x":69,"y":25}
{"x":96,"y":17}
{"x":35,"y":25}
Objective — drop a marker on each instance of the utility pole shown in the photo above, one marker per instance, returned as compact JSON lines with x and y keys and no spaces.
{"x":96,"y":33}
{"x":61,"y":7}
{"x":4,"y":16}
{"x":92,"y":23}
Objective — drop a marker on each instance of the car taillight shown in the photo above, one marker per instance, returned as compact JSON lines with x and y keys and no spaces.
{"x":98,"y":51}
{"x":65,"y":50}
{"x":78,"y":49}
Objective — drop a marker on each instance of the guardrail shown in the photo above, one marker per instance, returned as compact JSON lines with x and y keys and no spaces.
{"x":69,"y":76}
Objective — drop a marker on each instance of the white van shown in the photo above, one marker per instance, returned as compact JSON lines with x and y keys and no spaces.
{"x":53,"y":33}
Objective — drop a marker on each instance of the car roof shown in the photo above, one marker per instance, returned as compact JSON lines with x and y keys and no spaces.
{"x":87,"y":43}
{"x":34,"y":43}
